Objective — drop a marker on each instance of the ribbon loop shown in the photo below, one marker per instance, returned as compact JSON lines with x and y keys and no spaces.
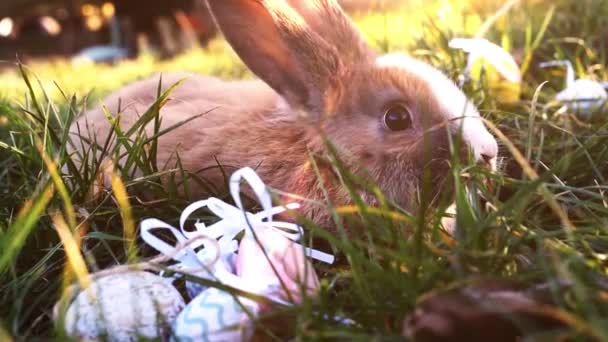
{"x":186,"y":255}
{"x":233,"y":221}
{"x":256,"y":184}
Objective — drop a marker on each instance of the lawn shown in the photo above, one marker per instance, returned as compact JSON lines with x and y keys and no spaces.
{"x":542,"y":221}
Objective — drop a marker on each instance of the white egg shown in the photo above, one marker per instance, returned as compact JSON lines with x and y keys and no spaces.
{"x":125,"y":306}
{"x":583,"y":96}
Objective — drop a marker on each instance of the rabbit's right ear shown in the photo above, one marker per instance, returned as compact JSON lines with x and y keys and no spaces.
{"x":327,"y":18}
{"x":277,"y":44}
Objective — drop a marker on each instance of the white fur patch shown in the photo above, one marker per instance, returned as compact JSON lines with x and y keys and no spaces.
{"x":452,"y":101}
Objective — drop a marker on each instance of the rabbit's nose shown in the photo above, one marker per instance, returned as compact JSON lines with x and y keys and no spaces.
{"x":487,"y":152}
{"x":479,"y":141}
{"x":487,"y":157}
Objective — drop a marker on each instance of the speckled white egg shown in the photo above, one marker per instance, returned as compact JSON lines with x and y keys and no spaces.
{"x":124,"y":307}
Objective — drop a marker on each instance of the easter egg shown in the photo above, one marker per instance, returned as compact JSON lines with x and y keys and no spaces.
{"x":504,"y":89}
{"x":276,"y":266}
{"x":124,"y":306}
{"x":583,"y":96}
{"x":216,"y":315}
{"x":493,"y":65}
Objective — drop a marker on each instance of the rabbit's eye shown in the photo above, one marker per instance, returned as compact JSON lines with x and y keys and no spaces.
{"x":397,"y":118}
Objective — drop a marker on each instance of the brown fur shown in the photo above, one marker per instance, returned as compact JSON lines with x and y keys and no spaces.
{"x":318,"y":76}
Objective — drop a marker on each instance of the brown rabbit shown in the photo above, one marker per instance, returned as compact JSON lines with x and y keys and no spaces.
{"x":390,"y":116}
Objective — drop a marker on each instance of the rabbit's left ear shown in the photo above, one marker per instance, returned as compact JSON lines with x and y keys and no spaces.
{"x":298,"y":47}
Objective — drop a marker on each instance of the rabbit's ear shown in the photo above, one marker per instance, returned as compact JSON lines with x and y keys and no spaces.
{"x":327,"y":19}
{"x":279,"y":46}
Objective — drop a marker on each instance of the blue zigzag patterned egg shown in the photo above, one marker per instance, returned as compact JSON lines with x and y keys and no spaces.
{"x":216,"y":316}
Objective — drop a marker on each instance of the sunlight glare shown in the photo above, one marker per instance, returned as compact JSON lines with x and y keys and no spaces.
{"x":108,"y":10}
{"x":51,"y":25}
{"x":88,"y":10}
{"x":6,"y":27}
{"x":94,"y":23}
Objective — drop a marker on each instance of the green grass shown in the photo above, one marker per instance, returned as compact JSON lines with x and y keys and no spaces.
{"x":544,"y":221}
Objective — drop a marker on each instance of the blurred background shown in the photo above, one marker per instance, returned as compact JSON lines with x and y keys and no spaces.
{"x":103,"y":31}
{"x":72,"y":43}
{"x":107,"y":31}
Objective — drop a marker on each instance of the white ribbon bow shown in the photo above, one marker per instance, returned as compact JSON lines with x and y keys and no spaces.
{"x":233,"y":220}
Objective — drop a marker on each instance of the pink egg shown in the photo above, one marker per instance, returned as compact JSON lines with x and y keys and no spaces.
{"x":284,"y":266}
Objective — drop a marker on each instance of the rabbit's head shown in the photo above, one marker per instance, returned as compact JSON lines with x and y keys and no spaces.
{"x":393,"y":116}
